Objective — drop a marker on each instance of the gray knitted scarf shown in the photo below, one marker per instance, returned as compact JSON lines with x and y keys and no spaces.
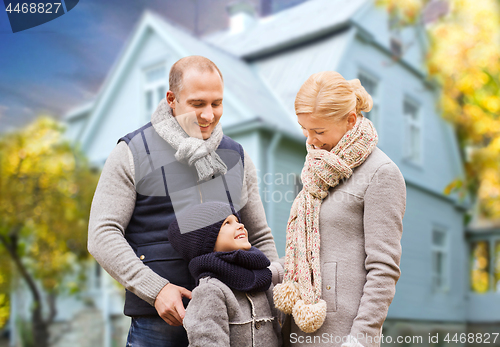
{"x":189,"y":150}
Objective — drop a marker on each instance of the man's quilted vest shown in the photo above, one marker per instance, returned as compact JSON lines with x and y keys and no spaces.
{"x":165,"y":187}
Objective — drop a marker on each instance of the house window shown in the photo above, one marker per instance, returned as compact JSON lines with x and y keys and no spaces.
{"x":413,"y":132}
{"x":480,"y":267}
{"x":497,"y":266}
{"x":371,"y":86}
{"x":155,"y":88}
{"x":439,"y":259}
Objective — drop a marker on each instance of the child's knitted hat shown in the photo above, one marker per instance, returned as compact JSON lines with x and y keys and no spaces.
{"x":195,"y":230}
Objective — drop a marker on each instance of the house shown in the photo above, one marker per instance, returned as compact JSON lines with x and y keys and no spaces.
{"x":264,"y":62}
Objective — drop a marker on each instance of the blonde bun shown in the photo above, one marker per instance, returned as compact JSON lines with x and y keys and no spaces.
{"x":327,"y":94}
{"x":364,"y":101}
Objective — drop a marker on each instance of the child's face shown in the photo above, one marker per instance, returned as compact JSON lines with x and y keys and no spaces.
{"x":232,"y":236}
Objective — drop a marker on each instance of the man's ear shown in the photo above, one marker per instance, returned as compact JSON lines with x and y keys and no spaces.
{"x":170,"y":99}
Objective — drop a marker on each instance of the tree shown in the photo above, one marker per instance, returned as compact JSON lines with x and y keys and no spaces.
{"x":46,"y":187}
{"x":464,"y":58}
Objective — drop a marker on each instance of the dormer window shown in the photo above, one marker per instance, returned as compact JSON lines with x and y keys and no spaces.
{"x":155,"y":88}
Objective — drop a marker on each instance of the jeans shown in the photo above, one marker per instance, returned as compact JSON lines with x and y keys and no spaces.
{"x":155,"y":332}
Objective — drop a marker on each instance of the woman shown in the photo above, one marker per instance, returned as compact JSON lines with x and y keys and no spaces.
{"x":343,"y":236}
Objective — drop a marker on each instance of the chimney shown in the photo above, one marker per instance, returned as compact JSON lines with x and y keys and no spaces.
{"x":242,"y":15}
{"x":266,"y":7}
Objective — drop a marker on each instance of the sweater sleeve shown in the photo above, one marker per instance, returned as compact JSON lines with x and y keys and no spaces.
{"x":112,"y":208}
{"x":384,"y":208}
{"x":206,"y":320}
{"x":253,"y":214}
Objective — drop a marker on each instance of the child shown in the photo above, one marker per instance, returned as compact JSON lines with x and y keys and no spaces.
{"x":232,"y":305}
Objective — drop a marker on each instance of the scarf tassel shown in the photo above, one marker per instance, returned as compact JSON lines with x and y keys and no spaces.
{"x":285,"y":295}
{"x":308,"y":317}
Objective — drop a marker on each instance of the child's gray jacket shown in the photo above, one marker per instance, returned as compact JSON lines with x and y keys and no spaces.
{"x":218,"y":316}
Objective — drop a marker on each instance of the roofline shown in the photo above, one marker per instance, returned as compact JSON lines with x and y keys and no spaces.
{"x":104,"y":92}
{"x":369,"y":38}
{"x":259,"y":123}
{"x":229,"y":97}
{"x":483,"y":230}
{"x":315,"y":36}
{"x":148,"y":21}
{"x":337,"y":29}
{"x":462,"y":206}
{"x":79,"y":111}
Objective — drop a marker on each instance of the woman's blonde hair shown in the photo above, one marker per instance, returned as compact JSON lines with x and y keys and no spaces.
{"x":327,"y":94}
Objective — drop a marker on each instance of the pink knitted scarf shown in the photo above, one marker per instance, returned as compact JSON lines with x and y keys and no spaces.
{"x":300,"y":292}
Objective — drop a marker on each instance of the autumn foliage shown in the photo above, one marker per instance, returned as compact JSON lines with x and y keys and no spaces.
{"x":46,"y":189}
{"x":464,"y":58}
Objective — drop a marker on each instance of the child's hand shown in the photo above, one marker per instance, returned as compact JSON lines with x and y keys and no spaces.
{"x":169,"y":304}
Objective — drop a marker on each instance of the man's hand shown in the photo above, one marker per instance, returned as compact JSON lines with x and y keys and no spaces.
{"x":169,"y":305}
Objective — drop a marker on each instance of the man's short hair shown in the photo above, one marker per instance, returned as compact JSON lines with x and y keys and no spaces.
{"x":201,"y":64}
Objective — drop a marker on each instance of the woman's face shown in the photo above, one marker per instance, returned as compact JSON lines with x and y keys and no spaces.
{"x":324,"y":133}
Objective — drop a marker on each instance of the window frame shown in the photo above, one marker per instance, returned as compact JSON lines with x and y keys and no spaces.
{"x":409,"y":124}
{"x":153,"y":87}
{"x":494,"y":287}
{"x":444,"y":249}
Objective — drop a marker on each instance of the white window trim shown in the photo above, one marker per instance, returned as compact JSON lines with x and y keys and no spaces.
{"x":152,"y":87}
{"x":408,"y":123}
{"x":444,"y":249}
{"x":493,"y":260}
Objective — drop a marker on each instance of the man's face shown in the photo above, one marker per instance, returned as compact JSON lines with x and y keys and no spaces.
{"x":198,"y":108}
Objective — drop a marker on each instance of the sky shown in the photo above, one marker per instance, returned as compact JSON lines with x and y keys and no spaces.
{"x":59,"y":65}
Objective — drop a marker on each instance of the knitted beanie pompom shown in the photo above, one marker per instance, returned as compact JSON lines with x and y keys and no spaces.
{"x":309,"y":317}
{"x":285,"y":295}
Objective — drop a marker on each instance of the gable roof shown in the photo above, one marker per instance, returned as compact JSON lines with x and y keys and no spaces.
{"x":243,"y":86}
{"x":293,"y":26}
{"x":244,"y":90}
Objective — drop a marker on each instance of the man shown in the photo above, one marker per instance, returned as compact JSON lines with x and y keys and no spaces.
{"x":178,"y":159}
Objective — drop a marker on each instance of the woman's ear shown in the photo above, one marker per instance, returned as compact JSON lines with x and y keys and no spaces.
{"x":351,"y":120}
